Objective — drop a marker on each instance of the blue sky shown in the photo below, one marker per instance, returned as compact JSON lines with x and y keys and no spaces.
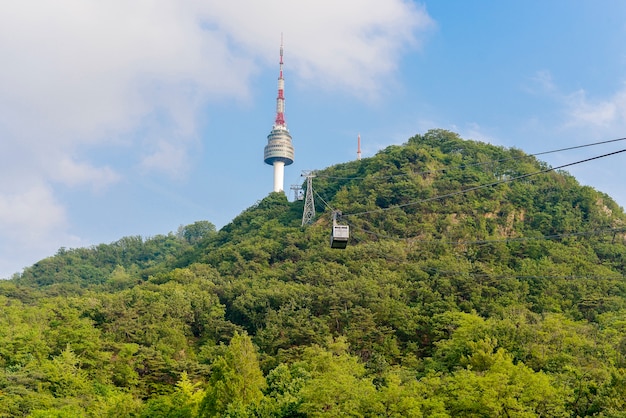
{"x":127,"y":118}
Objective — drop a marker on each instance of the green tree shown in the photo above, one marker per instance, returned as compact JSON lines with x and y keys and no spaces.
{"x":196,"y":231}
{"x":338,"y":385}
{"x":184,"y":402}
{"x":236,"y":381}
{"x":502,"y":389}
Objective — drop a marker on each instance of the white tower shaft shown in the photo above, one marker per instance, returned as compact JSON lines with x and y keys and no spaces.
{"x":279,"y":175}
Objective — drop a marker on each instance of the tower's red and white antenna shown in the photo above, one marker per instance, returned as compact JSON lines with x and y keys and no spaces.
{"x":358,"y":149}
{"x":280,"y":100}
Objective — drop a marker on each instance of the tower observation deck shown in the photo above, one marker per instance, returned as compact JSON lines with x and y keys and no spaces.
{"x":279,"y":150}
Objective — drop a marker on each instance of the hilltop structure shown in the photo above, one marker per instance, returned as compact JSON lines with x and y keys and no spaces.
{"x":279,"y":150}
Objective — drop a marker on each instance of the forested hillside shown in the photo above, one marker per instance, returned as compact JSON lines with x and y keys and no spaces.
{"x":476,"y":283}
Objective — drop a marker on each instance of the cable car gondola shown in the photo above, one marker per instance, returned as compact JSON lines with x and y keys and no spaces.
{"x":340,"y":233}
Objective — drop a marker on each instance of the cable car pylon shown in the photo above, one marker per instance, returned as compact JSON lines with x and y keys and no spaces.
{"x":309,"y":204}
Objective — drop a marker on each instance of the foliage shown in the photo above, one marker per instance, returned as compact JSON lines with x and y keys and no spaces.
{"x":506,"y":300}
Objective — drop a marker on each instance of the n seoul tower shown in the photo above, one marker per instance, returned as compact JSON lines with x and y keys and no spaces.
{"x":279,"y":151}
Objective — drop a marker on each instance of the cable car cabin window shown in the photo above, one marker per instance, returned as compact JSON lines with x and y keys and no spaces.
{"x":339,"y":236}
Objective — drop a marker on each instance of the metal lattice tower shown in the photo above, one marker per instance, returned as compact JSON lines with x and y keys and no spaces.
{"x":309,"y":204}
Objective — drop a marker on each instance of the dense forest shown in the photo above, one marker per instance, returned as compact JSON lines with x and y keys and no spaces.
{"x":477,"y":282}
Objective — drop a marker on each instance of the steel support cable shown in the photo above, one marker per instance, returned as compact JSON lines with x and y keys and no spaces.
{"x":323,"y":201}
{"x":490,"y":241}
{"x":479,"y":163}
{"x":483,"y":186}
{"x":432,"y":270}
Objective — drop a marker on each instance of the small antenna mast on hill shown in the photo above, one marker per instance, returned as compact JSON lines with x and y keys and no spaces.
{"x":309,"y":204}
{"x":358,"y":149}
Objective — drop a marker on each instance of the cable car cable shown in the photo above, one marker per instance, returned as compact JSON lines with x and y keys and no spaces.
{"x":476,"y":164}
{"x":490,"y":241}
{"x":525,"y":277}
{"x":483,"y":186}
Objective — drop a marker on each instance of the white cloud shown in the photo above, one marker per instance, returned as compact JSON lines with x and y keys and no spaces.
{"x":31,"y":221}
{"x":542,"y":83}
{"x":75,"y":173}
{"x":166,"y":158}
{"x":605,"y":115}
{"x":608,"y":113}
{"x":349,"y":45}
{"x":34,"y":210}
